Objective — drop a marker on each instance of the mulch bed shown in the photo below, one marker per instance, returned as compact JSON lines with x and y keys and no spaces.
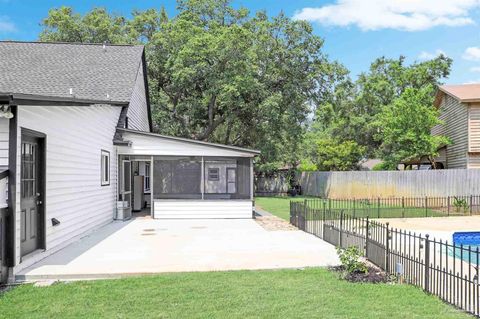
{"x":272,"y":223}
{"x":373,"y":275}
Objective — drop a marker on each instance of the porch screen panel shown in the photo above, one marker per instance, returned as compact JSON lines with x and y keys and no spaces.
{"x":226,"y":178}
{"x":244,"y":177}
{"x":177,"y":178}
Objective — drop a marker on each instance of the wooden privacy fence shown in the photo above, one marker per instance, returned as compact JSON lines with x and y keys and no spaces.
{"x":444,"y":269}
{"x":384,"y":184}
{"x":271,"y":185}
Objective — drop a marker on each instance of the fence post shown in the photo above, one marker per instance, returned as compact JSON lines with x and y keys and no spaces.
{"x":426,"y":206}
{"x":427,"y":264}
{"x":291,"y":212}
{"x":471,"y":204}
{"x":403,"y":207}
{"x":340,"y":230}
{"x":378,"y":207}
{"x":387,"y":248}
{"x":367,"y":230}
{"x":448,"y":206}
{"x":304,"y":214}
{"x":329,"y":205}
{"x":354,"y":207}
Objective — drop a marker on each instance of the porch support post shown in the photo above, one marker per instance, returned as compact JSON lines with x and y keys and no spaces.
{"x":151,"y":187}
{"x":202,"y":174}
{"x":252,"y":184}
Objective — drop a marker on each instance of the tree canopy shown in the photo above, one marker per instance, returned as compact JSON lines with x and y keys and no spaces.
{"x":368,"y":111}
{"x":217,"y":73}
{"x":228,"y":75}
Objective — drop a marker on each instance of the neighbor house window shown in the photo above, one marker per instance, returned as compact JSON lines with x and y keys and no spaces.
{"x":105,"y":166}
{"x":147,"y":176}
{"x":214,"y":174}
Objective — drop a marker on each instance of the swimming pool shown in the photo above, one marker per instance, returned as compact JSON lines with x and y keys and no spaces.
{"x":466,"y":246}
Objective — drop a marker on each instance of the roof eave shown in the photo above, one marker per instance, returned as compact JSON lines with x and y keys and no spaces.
{"x":186,"y":140}
{"x":27,"y":99}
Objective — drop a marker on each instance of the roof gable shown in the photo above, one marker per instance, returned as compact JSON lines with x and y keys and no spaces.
{"x":465,"y":93}
{"x":92,"y":71}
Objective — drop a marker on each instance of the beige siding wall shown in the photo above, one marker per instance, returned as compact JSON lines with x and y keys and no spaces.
{"x":455,"y":116}
{"x":75,"y":137}
{"x":474,"y":128}
{"x":474,"y":161}
{"x":137,"y":109}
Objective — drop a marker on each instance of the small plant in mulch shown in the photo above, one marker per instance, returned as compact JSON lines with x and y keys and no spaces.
{"x":460,"y":204}
{"x":354,"y":269}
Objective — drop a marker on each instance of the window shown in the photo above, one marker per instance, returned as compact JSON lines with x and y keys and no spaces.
{"x":214,"y":174}
{"x":147,"y":177}
{"x":105,"y":166}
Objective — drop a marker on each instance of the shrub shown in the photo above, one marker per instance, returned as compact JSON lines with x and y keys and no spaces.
{"x":350,"y":260}
{"x":460,"y":203}
{"x":307,"y":165}
{"x":381,"y":167}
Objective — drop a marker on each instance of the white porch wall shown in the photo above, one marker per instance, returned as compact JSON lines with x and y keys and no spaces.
{"x":184,"y":209}
{"x":75,"y":137}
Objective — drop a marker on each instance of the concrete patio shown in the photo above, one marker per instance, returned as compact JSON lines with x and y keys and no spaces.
{"x":146,"y":246}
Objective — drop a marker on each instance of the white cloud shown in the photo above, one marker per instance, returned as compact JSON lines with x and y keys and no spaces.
{"x":6,"y":25}
{"x":472,"y":82}
{"x":424,"y":55}
{"x":475,"y":69}
{"x":472,"y":54}
{"x":408,"y":15}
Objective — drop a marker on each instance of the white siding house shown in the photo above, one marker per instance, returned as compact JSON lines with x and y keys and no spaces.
{"x":76,"y":152}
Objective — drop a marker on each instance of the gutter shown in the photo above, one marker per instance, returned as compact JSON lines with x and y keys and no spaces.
{"x":31,"y":99}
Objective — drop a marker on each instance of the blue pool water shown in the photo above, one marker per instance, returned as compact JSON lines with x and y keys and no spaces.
{"x":468,"y":240}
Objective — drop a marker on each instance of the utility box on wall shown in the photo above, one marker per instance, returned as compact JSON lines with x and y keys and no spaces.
{"x":124,"y":211}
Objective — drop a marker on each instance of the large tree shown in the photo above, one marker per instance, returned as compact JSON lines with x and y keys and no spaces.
{"x":352,"y":115}
{"x":406,"y":125}
{"x":217,"y":73}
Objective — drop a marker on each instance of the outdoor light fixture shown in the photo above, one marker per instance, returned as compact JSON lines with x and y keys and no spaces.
{"x":6,"y":112}
{"x":55,"y":222}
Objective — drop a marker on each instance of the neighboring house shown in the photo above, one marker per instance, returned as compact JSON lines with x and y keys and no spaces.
{"x":77,"y":149}
{"x":459,"y":107}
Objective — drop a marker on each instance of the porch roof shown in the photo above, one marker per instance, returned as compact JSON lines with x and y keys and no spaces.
{"x":134,"y":142}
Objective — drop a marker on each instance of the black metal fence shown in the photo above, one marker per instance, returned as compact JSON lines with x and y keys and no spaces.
{"x":400,"y":207}
{"x":444,"y":269}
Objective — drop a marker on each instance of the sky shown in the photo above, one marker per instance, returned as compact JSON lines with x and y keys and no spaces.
{"x":355,"y":31}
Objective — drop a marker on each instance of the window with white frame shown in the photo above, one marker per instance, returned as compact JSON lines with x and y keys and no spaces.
{"x":147,"y":177}
{"x":105,"y":167}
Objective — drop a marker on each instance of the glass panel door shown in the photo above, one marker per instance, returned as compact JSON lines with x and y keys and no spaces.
{"x":127,"y":182}
{"x":231,"y":180}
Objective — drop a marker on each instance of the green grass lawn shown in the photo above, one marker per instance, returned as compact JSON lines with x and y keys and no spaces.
{"x":310,"y":293}
{"x":280,"y":206}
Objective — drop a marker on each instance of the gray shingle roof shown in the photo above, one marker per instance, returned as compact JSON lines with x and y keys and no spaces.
{"x":51,"y":69}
